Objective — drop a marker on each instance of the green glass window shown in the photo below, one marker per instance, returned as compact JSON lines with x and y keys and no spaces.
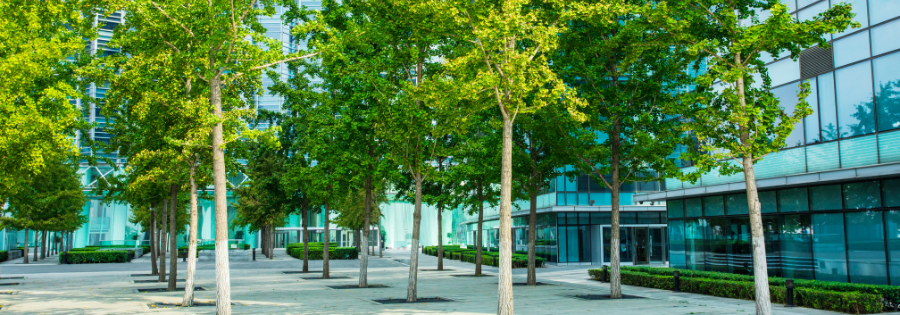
{"x":892,"y":223}
{"x":825,"y":197}
{"x":736,"y":204}
{"x":865,"y":247}
{"x":862,"y":195}
{"x":768,"y":202}
{"x":693,"y":207}
{"x":627,"y":217}
{"x":793,"y":200}
{"x":829,"y":247}
{"x":713,"y":206}
{"x":675,"y":208}
{"x":891,"y":189}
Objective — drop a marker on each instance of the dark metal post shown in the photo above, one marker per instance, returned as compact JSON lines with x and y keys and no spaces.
{"x":604,"y":275}
{"x":677,"y":276}
{"x":254,"y":254}
{"x":789,"y":293}
{"x":184,"y":257}
{"x":62,"y":258}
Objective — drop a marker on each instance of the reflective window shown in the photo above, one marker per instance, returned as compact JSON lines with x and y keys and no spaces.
{"x":811,"y":122}
{"x":887,"y":91}
{"x":572,"y":199}
{"x":767,"y":202}
{"x":740,"y":241}
{"x":676,"y":244}
{"x":627,"y":217}
{"x":736,"y":204}
{"x":883,"y":10}
{"x":884,"y":37}
{"x":787,"y":96}
{"x":826,"y":197}
{"x":796,"y":247}
{"x":862,"y":195}
{"x":827,"y":107}
{"x":861,"y":15}
{"x":854,"y":100}
{"x":804,"y":3}
{"x":891,"y":189}
{"x":811,"y":12}
{"x":694,"y":244}
{"x":692,"y":208}
{"x":865,"y":247}
{"x":784,"y":71}
{"x":598,"y":218}
{"x":829,"y":247}
{"x":851,"y":48}
{"x":892,"y":223}
{"x":713,"y":206}
{"x":717,"y":257}
{"x":793,"y":200}
{"x":648,"y":218}
{"x":675,"y":208}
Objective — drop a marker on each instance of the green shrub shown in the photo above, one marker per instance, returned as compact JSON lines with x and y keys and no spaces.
{"x":4,"y":255}
{"x":96,"y":257}
{"x":337,"y":253}
{"x":246,"y":246}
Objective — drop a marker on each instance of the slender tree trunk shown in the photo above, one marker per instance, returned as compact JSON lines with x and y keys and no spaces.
{"x":153,"y":240}
{"x":356,"y":234}
{"x":380,"y":246}
{"x":163,"y":240}
{"x":25,"y":251}
{"x":760,"y":266}
{"x":192,"y":246}
{"x":440,"y":253}
{"x":173,"y":237}
{"x":364,"y":260}
{"x":615,"y":281}
{"x":44,"y":235}
{"x":327,"y":239}
{"x":223,"y":281}
{"x":305,"y":219}
{"x":411,"y":294}
{"x":37,"y":244}
{"x":532,"y":225}
{"x":505,"y":299}
{"x":479,"y":238}
{"x":272,"y":243}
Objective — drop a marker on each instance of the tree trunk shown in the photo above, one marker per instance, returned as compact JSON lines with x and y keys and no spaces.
{"x":760,"y":266}
{"x":364,"y":259}
{"x":25,"y":251}
{"x":192,"y":246}
{"x":615,"y":281}
{"x":37,"y":244}
{"x":479,"y":235}
{"x":440,"y":240}
{"x":411,"y":294}
{"x":272,"y":243}
{"x":305,"y":219}
{"x":356,"y":235}
{"x":532,"y":225}
{"x":44,"y":244}
{"x":326,"y":238}
{"x":153,"y":239}
{"x":505,"y":299}
{"x":380,"y":246}
{"x":223,"y":282}
{"x":173,"y":237}
{"x":163,"y":240}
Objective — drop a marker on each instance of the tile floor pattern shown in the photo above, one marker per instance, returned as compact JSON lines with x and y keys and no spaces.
{"x":261,"y":288}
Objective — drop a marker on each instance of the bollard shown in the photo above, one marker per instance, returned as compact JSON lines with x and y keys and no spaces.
{"x":604,"y":275}
{"x":184,"y":257}
{"x":254,"y":254}
{"x":789,"y":293}
{"x":677,"y":277}
{"x":62,"y":260}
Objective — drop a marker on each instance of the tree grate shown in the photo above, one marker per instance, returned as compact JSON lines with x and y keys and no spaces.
{"x":526,"y":283}
{"x":435,"y":299}
{"x":153,"y":290}
{"x":11,"y":278}
{"x":438,"y":270}
{"x":603,"y":297}
{"x":155,"y":281}
{"x":356,"y":286}
{"x":10,"y":283}
{"x":146,"y":275}
{"x":196,"y":304}
{"x":291,"y":272}
{"x":472,"y":275}
{"x":329,"y":278}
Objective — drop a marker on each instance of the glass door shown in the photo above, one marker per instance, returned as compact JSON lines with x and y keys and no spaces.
{"x":641,"y":246}
{"x":657,"y":246}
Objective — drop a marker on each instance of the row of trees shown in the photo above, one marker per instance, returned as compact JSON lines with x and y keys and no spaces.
{"x":422,"y":94}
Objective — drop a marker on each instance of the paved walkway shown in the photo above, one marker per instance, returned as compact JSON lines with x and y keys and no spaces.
{"x":261,"y":288}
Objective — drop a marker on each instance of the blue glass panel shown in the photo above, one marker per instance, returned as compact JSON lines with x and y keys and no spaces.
{"x":784,"y":71}
{"x":767,"y":202}
{"x":854,"y":100}
{"x":560,"y":183}
{"x":787,"y":96}
{"x":561,"y":199}
{"x":891,"y":195}
{"x":562,"y":244}
{"x":572,"y":199}
{"x":796,"y":247}
{"x":851,"y":49}
{"x":892,"y":223}
{"x":782,"y":163}
{"x":627,"y":217}
{"x":693,"y":208}
{"x":859,"y":152}
{"x":826,"y":197}
{"x":887,"y":91}
{"x":601,"y":199}
{"x":811,"y":122}
{"x":829,"y":247}
{"x":695,"y":249}
{"x":827,"y":107}
{"x":736,"y":204}
{"x":861,"y":15}
{"x":888,"y":149}
{"x":793,"y":200}
{"x":675,"y":208}
{"x":862,"y":195}
{"x":883,"y":10}
{"x":811,"y":12}
{"x":884,"y":38}
{"x":583,"y":199}
{"x":713,"y":206}
{"x":823,"y":157}
{"x":865,"y":247}
{"x":571,"y":184}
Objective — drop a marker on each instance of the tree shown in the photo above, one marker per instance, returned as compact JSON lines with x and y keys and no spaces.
{"x":737,"y":121}
{"x":628,"y":72}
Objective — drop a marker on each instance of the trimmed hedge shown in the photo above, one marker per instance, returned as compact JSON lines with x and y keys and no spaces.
{"x":4,"y":255}
{"x":96,"y":257}
{"x":847,"y":302}
{"x":336,"y":253}
{"x":490,"y":258}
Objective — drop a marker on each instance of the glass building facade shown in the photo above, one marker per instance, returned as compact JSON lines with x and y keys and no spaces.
{"x":829,"y":198}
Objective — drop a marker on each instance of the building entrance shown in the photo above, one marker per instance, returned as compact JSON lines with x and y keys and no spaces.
{"x":638,"y":245}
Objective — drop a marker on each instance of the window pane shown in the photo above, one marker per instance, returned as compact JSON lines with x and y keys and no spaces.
{"x":854,"y":100}
{"x":829,"y":247}
{"x":804,"y":3}
{"x":676,"y":244}
{"x":736,"y":204}
{"x":827,"y":107}
{"x":583,"y":183}
{"x":573,"y":241}
{"x":572,"y":199}
{"x":583,"y":199}
{"x":713,"y":206}
{"x":892,"y":221}
{"x":675,"y":208}
{"x":811,"y":122}
{"x":884,"y":38}
{"x":692,"y":207}
{"x":740,"y":242}
{"x":811,"y":12}
{"x":851,"y":48}
{"x":584,"y":218}
{"x":796,"y":247}
{"x":561,"y":218}
{"x":861,"y":15}
{"x":787,"y":96}
{"x":887,"y":91}
{"x":891,"y":189}
{"x":862,"y":195}
{"x":573,"y":218}
{"x":561,"y":199}
{"x":560,"y":183}
{"x":571,"y":184}
{"x":865,"y":247}
{"x":883,"y":10}
{"x":767,"y":202}
{"x":627,"y":218}
{"x":825,"y":197}
{"x":563,"y":248}
{"x":793,"y":200}
{"x":694,"y":244}
{"x":648,"y":217}
{"x":718,"y":235}
{"x":784,"y":71}
{"x":771,"y":233}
